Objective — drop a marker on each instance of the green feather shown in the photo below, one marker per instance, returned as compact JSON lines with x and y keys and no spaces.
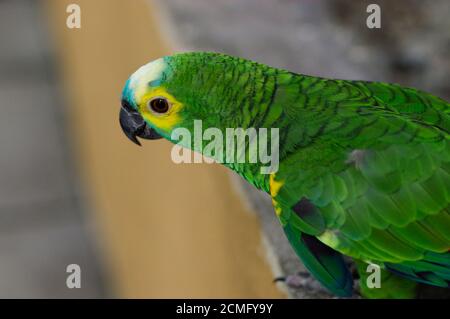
{"x":371,"y":159}
{"x":324,"y":263}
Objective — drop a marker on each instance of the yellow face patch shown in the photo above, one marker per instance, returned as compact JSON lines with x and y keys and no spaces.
{"x":166,"y":121}
{"x":141,"y":85}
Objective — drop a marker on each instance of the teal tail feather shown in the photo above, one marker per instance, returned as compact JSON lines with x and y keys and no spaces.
{"x":434,"y":269}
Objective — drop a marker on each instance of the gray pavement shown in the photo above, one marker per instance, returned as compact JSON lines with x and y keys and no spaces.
{"x":42,"y":225}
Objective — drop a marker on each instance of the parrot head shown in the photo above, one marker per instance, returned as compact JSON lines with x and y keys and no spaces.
{"x":173,"y":91}
{"x":147,"y":108}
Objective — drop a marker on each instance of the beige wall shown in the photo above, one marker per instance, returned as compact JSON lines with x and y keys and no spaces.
{"x":167,"y":230}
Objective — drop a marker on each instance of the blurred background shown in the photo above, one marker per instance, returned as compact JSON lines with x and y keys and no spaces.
{"x":74,"y":190}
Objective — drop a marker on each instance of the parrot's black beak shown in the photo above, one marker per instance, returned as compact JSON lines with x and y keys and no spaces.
{"x":134,"y":125}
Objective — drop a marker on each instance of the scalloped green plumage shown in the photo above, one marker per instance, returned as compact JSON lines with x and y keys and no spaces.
{"x":372,"y":157}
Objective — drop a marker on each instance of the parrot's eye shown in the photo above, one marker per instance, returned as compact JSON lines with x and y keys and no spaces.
{"x":159,"y":105}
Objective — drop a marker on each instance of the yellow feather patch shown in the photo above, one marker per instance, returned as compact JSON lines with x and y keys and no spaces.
{"x":140,"y":83}
{"x":167,"y":121}
{"x":330,"y":238}
{"x":274,"y":185}
{"x":274,"y":189}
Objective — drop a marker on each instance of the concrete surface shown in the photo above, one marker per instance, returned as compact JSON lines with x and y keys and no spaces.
{"x":42,"y":226}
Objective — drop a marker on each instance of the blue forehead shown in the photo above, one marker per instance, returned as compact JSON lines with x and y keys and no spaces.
{"x":128,"y":93}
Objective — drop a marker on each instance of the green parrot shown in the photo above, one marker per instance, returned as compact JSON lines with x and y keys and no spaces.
{"x":364,"y":167}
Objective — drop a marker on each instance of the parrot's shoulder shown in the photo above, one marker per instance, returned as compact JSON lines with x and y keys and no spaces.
{"x":404,"y":102}
{"x":399,"y":194}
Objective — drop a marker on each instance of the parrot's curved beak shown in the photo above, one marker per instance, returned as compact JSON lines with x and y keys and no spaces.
{"x":134,"y":125}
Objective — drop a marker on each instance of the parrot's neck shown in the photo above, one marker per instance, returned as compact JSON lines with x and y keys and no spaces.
{"x":250,"y":96}
{"x":252,"y":174}
{"x":291,"y":104}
